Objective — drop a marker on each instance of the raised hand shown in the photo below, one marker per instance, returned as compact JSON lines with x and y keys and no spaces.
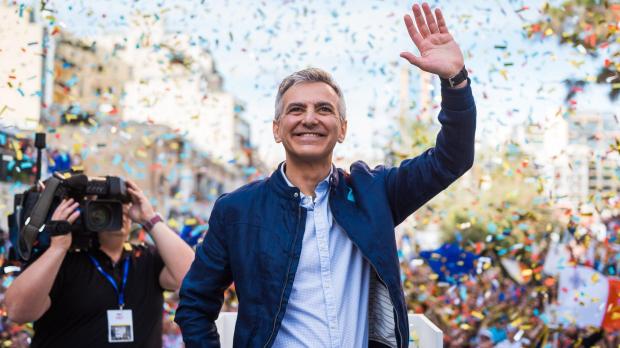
{"x":141,"y":209}
{"x":439,"y":53}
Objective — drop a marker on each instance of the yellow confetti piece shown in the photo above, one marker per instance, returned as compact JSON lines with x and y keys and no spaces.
{"x":191,"y":221}
{"x":18,"y":151}
{"x":141,"y":153}
{"x":76,"y":169}
{"x":465,"y":326}
{"x":173,"y":223}
{"x":147,"y":141}
{"x":548,"y":32}
{"x":577,"y":63}
{"x":595,"y":278}
{"x":77,"y":148}
{"x":527,"y":272}
{"x":477,"y":315}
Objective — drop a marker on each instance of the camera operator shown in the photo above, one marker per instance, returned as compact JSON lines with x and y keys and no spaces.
{"x":110,"y":295}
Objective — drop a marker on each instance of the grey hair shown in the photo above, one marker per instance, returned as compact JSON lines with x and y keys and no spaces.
{"x":307,"y":76}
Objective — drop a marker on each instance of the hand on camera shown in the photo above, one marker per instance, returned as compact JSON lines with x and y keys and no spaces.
{"x":141,"y":209}
{"x":67,"y":210}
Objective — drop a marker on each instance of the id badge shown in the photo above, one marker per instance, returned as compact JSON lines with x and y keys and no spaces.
{"x":120,"y":326}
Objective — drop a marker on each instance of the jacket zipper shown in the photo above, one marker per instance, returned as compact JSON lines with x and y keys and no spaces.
{"x":286,"y":280}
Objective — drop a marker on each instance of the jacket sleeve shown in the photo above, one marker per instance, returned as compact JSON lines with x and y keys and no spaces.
{"x":202,"y":292}
{"x":419,"y":179}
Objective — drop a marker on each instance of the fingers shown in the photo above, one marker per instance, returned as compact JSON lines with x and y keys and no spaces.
{"x":131,"y":184}
{"x":419,"y":20}
{"x":411,"y":58}
{"x":441,"y":22}
{"x":73,"y":216}
{"x":65,"y":209}
{"x":136,"y":195}
{"x":63,"y":204}
{"x":413,"y":33}
{"x":430,"y":19}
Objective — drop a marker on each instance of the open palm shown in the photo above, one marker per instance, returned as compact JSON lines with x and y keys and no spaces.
{"x":439,"y":53}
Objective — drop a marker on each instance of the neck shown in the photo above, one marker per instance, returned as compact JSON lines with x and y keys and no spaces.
{"x":112,"y":245}
{"x":307,"y":175}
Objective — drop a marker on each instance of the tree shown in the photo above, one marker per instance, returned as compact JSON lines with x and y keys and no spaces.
{"x":590,"y":26}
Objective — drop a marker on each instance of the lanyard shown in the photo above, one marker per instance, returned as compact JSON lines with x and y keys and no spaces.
{"x":121,"y":292}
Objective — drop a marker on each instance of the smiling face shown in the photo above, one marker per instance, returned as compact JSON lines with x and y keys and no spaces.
{"x":310,"y":124}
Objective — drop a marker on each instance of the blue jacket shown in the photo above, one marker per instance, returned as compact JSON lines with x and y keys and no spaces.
{"x":255,"y":233}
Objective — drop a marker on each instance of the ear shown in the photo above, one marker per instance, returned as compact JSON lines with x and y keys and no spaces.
{"x":276,"y":131}
{"x":343,"y":131}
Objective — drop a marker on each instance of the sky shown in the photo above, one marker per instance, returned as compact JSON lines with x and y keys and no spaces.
{"x":255,"y":44}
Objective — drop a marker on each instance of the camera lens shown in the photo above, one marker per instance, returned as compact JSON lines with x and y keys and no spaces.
{"x":100,"y":216}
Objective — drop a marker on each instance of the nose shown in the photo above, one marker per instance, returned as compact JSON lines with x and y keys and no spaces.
{"x":310,"y":118}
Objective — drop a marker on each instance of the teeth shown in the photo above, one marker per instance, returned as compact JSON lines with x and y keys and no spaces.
{"x":311,"y":134}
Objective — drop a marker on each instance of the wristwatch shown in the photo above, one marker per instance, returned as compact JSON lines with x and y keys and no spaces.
{"x":149,"y":224}
{"x":454,"y":80}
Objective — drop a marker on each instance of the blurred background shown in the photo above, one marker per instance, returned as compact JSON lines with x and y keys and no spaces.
{"x":179,"y":95}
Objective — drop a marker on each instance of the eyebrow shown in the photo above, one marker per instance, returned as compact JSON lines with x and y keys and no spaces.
{"x":302,"y":105}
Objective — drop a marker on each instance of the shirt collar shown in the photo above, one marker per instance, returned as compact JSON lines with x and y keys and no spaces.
{"x":321,"y":187}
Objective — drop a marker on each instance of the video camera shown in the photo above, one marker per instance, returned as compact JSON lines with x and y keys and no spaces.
{"x":101,"y":209}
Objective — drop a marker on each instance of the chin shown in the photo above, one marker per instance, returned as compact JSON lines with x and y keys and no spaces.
{"x":310,"y":155}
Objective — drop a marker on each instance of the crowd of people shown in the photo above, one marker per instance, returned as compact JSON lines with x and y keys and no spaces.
{"x":490,"y":306}
{"x":486,"y":308}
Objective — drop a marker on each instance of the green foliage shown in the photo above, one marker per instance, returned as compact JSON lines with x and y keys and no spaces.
{"x":591,"y":26}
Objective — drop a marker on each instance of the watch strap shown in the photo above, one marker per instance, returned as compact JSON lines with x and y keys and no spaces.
{"x":455,"y":80}
{"x":150,"y":223}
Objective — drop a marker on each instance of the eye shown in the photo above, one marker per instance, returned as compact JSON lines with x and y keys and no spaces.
{"x":325,"y":109}
{"x":295,"y":109}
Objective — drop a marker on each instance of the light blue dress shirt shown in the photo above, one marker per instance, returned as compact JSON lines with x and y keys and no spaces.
{"x":328,"y":305}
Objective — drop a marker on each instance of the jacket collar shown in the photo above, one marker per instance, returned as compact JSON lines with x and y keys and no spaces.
{"x":279,"y":183}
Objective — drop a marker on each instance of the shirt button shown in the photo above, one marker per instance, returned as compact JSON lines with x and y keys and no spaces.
{"x":295,"y":194}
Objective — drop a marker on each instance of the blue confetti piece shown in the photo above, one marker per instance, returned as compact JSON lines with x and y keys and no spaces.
{"x":491,"y":227}
{"x":128,"y":169}
{"x":117,"y":159}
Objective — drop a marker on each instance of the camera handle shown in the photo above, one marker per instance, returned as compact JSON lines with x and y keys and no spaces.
{"x":35,"y":222}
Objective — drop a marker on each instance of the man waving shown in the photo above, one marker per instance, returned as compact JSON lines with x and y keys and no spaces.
{"x":311,"y":249}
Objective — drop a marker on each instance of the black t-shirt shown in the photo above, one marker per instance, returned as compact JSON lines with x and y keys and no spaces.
{"x":81,"y":297}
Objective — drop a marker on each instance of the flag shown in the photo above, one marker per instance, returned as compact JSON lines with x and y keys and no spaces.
{"x":450,"y":261}
{"x":587,"y":298}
